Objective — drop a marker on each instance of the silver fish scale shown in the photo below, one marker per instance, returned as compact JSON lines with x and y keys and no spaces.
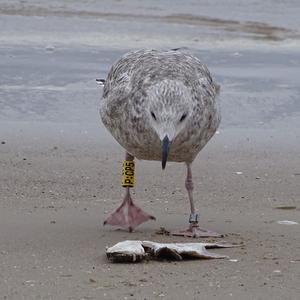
{"x":169,"y":82}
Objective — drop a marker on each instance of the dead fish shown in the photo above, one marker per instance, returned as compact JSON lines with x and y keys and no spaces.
{"x":135,"y":251}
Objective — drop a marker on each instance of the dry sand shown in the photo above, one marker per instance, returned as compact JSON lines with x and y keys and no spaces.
{"x":56,"y":192}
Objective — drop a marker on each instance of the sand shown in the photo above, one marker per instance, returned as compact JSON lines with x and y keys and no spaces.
{"x":56,"y":192}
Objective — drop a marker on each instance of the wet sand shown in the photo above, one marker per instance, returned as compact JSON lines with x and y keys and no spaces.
{"x":60,"y":169}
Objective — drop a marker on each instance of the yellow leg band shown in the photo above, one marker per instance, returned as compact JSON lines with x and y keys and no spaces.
{"x":128,"y":173}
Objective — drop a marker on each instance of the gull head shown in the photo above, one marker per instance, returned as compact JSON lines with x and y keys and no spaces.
{"x":170,"y":107}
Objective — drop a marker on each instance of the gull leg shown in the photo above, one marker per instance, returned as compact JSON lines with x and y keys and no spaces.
{"x":194,"y":230}
{"x":128,"y":215}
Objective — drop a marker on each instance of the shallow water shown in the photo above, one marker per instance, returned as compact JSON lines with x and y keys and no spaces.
{"x":52,"y":52}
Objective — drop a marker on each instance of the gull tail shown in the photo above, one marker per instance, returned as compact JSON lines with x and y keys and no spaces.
{"x":100,"y":81}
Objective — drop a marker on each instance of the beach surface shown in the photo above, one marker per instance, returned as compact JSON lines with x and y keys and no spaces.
{"x":60,"y":170}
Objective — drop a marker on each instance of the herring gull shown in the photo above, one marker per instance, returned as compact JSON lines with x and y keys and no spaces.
{"x":162,"y":106}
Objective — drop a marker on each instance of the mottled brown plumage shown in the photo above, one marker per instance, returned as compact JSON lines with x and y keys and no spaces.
{"x":160,"y":105}
{"x":169,"y":84}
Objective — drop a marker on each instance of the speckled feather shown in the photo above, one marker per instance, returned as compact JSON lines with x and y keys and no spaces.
{"x":169,"y":83}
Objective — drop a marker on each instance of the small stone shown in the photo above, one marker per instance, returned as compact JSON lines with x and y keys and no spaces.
{"x":3,"y":142}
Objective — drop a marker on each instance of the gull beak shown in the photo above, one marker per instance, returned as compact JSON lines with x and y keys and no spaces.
{"x":165,"y":151}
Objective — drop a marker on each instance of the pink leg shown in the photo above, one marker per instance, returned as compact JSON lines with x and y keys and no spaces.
{"x":194,"y":230}
{"x":128,"y":215}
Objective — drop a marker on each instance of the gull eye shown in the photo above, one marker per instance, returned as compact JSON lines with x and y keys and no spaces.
{"x":153,"y":115}
{"x":182,"y":117}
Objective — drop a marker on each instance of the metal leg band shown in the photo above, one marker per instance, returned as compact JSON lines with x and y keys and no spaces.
{"x":194,"y":218}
